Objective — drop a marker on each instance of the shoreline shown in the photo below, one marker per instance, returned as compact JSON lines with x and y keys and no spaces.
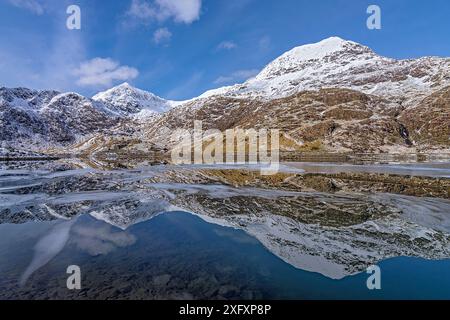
{"x":285,"y":157}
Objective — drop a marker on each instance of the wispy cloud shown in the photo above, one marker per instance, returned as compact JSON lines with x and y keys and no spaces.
{"x":265,"y":43}
{"x":103,"y":72}
{"x":48,"y":62}
{"x":185,"y":90}
{"x":237,"y":76}
{"x":227,"y":45}
{"x":31,"y":5}
{"x":162,"y":35}
{"x":182,"y":11}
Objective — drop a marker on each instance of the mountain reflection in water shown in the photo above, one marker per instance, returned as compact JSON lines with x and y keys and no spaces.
{"x":129,"y":233}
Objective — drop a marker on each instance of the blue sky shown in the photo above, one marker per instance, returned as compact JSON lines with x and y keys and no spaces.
{"x":180,"y":48}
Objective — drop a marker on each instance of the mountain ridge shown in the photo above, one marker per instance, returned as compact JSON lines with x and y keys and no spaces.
{"x":382,"y":91}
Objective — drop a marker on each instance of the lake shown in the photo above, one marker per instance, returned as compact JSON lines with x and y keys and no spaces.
{"x":168,"y":233}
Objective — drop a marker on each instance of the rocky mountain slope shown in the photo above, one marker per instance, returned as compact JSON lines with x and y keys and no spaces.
{"x":337,"y":119}
{"x":38,"y":119}
{"x":429,"y":120}
{"x":333,"y":96}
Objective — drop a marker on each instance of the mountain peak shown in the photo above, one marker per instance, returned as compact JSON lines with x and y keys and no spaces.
{"x":322,"y":49}
{"x":336,"y":62}
{"x":126,"y":99}
{"x":328,"y":44}
{"x":315,"y":55}
{"x":124,"y":85}
{"x":123,"y":88}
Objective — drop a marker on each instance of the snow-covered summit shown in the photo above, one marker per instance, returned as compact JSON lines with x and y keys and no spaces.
{"x":321,"y":49}
{"x":128,"y":100}
{"x":339,"y":63}
{"x":327,"y":50}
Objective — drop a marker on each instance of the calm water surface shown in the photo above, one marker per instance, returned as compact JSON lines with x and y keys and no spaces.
{"x":171,"y":254}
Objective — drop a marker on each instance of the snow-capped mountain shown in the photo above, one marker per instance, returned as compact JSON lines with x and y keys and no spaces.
{"x":337,"y":63}
{"x":26,"y":98}
{"x":127,"y":100}
{"x":34,"y":120}
{"x":334,"y":93}
{"x":19,"y":114}
{"x":69,"y":116}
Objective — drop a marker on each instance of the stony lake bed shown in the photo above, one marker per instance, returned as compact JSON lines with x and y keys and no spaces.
{"x":225,"y":232}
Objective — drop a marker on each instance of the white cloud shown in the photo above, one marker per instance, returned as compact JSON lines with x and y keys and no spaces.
{"x":162,"y":35}
{"x":102,"y":72}
{"x":264,"y":43}
{"x":142,"y":9}
{"x":182,"y":11}
{"x":30,"y":5}
{"x":226,"y":45}
{"x":237,"y":76}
